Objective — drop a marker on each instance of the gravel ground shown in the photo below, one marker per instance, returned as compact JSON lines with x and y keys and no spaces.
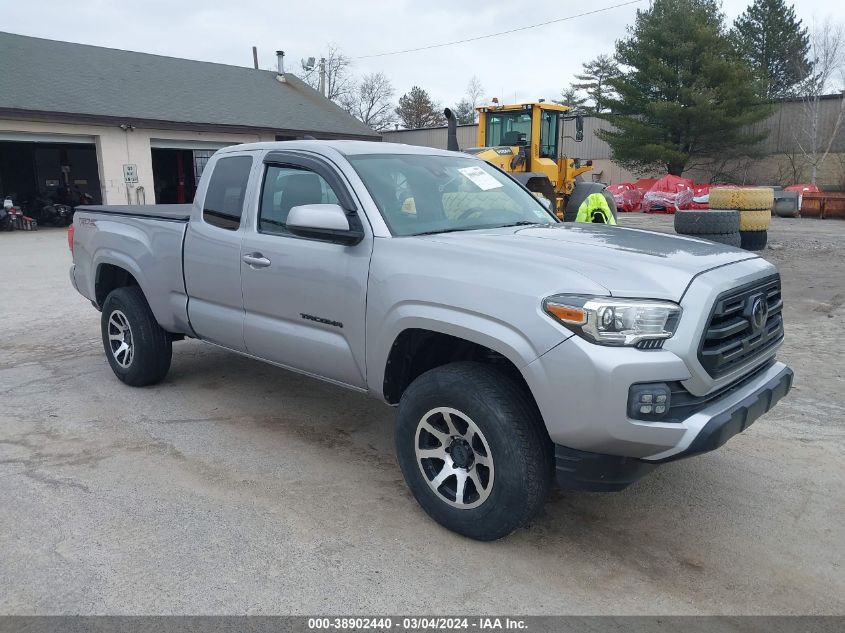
{"x":235,"y":487}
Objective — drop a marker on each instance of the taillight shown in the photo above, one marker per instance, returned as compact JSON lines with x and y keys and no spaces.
{"x":70,"y":238}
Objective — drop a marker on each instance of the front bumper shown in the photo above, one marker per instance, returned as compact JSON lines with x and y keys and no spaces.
{"x":582,"y":389}
{"x":707,"y":430}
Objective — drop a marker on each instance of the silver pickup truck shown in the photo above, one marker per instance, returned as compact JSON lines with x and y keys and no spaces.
{"x":518,"y":349}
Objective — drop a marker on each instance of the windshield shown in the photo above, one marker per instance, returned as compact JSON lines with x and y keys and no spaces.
{"x":420,"y":194}
{"x":508,"y":128}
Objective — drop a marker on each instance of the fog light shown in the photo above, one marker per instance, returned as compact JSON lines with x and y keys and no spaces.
{"x":649,"y":401}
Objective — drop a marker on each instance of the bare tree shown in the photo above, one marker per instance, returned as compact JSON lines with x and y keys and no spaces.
{"x":338,"y":75}
{"x":370,"y":101}
{"x":474,"y":95}
{"x":827,"y":54}
{"x":790,"y":168}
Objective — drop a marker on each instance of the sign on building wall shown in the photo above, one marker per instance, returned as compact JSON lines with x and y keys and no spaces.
{"x":130,"y":173}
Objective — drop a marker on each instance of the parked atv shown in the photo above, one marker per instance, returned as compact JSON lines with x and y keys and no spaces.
{"x":48,"y":212}
{"x":12,"y":214}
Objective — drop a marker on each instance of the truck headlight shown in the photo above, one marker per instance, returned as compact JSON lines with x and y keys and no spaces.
{"x":610,"y":321}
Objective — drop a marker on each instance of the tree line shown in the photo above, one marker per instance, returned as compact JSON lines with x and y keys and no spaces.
{"x":683,"y":87}
{"x":370,"y":97}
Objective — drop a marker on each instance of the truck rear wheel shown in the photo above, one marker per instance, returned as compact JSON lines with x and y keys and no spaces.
{"x":137,"y":348}
{"x":473,"y":450}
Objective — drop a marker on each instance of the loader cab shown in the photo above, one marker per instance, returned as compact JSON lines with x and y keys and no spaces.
{"x":525,"y":139}
{"x":535,"y":126}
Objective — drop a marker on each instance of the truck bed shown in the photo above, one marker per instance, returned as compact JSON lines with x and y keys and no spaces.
{"x":145,"y":241}
{"x":171,"y":212}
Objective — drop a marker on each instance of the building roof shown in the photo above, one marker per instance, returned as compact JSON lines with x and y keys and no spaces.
{"x":90,"y":82}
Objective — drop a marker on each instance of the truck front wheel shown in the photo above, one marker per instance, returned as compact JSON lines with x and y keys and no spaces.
{"x":473,"y":450}
{"x":137,"y":348}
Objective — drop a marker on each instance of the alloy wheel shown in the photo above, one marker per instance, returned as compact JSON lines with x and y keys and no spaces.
{"x":454,"y":457}
{"x":120,"y":339}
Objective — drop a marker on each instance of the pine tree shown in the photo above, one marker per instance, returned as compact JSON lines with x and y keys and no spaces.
{"x":417,"y":109}
{"x":572,"y":98}
{"x":685,"y":95}
{"x":775,"y":45}
{"x":464,"y":112}
{"x":594,"y":81}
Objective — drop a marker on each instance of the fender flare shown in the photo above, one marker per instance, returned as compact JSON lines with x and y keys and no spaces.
{"x":473,"y":327}
{"x":107,"y":256}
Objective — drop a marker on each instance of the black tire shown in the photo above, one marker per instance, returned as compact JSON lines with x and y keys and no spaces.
{"x":754,"y":240}
{"x":520,"y":452}
{"x":731,"y":239}
{"x":706,"y":222}
{"x":580,"y":193}
{"x":150,"y":347}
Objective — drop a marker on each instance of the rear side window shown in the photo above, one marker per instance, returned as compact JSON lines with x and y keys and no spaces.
{"x":224,"y":200}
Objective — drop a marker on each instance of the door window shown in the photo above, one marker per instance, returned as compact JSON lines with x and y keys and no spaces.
{"x":287,"y":187}
{"x":548,"y":134}
{"x":224,"y":200}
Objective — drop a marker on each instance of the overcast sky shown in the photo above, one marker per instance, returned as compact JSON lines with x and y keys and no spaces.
{"x":530,"y":64}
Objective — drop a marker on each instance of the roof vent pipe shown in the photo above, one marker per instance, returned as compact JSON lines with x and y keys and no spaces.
{"x":280,"y":60}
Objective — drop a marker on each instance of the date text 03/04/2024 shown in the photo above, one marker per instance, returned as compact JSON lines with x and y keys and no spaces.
{"x":417,"y":623}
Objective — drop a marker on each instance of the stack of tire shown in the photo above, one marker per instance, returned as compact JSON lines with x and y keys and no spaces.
{"x":717,"y":226}
{"x":754,"y":205}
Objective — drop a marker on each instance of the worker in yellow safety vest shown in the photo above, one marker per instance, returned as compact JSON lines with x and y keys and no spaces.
{"x":596,"y":210}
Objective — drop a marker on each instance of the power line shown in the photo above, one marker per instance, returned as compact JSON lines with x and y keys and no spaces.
{"x":489,"y":35}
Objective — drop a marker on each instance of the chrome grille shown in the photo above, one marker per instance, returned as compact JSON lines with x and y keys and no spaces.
{"x":746,"y":322}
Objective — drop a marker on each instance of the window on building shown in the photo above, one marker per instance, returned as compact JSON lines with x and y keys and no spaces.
{"x":201,"y":157}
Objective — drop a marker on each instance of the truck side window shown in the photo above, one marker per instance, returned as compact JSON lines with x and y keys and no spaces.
{"x":288,"y":187}
{"x":224,"y":200}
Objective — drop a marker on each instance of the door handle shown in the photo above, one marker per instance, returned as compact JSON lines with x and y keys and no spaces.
{"x":256,"y":260}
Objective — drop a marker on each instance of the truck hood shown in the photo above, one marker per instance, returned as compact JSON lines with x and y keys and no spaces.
{"x":627,"y":262}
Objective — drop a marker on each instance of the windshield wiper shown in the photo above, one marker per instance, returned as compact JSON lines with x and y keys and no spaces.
{"x":462,"y":228}
{"x":520,"y":223}
{"x":480,"y":228}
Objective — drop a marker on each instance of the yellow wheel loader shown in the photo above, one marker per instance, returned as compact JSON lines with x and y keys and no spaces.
{"x":524,"y":141}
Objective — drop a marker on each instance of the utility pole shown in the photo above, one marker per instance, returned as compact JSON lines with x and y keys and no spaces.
{"x":255,"y":58}
{"x":323,"y":76}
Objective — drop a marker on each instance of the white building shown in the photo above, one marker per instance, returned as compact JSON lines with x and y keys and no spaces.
{"x":126,"y":127}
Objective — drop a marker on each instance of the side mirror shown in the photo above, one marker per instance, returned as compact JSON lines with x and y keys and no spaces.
{"x":327,"y":222}
{"x":579,"y":128}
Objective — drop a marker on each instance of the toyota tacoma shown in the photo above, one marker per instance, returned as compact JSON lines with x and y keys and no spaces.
{"x":518,"y":349}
